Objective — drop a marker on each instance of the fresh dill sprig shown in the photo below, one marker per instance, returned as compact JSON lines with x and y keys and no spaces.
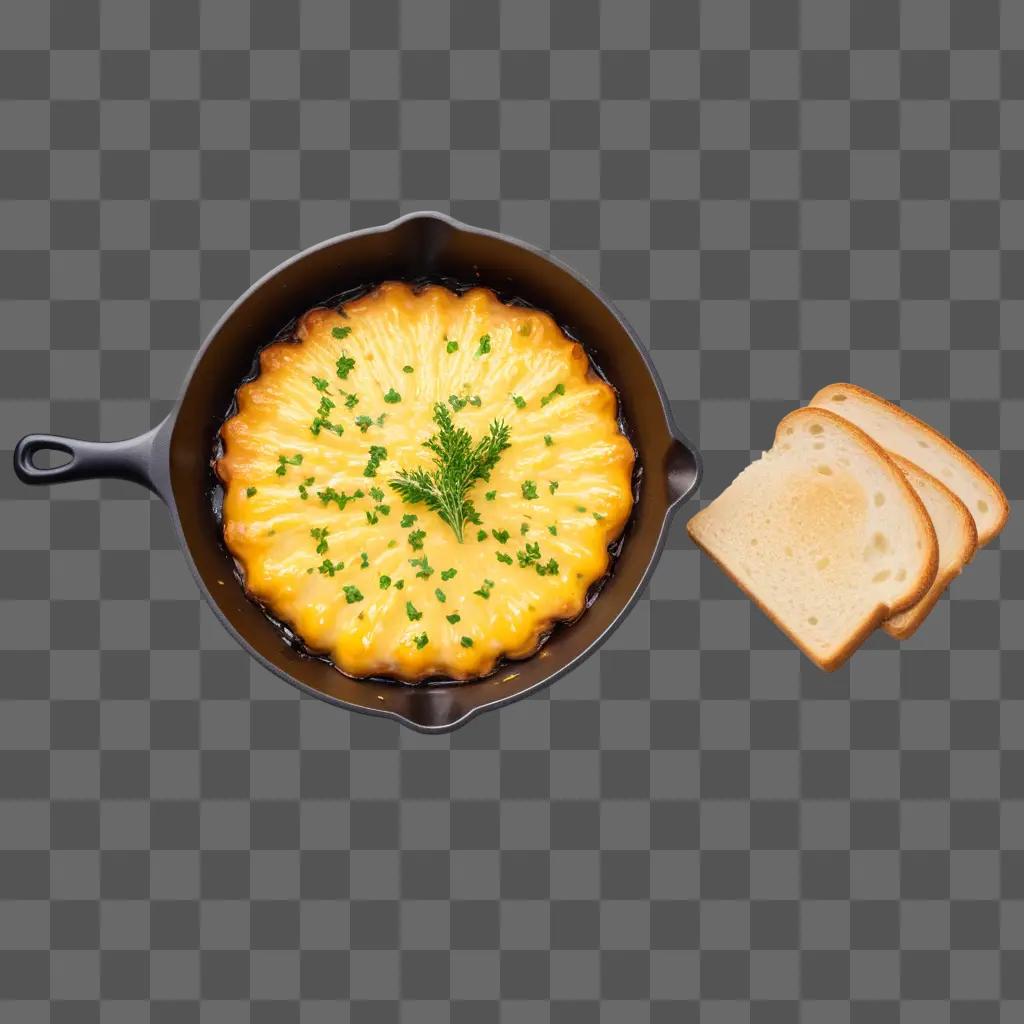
{"x":458,"y":464}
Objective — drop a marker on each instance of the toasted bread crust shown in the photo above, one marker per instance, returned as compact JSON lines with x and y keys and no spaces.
{"x":916,"y":588}
{"x":905,"y":624}
{"x":940,"y":440}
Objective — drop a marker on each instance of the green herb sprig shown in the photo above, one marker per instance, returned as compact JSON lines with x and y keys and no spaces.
{"x":377,"y":455}
{"x":558,"y":389}
{"x":458,"y":464}
{"x":284,"y":461}
{"x":341,"y":499}
{"x":426,"y":570}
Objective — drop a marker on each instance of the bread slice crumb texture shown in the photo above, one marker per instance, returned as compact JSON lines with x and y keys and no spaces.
{"x":898,"y":431}
{"x":957,"y":539}
{"x":824,"y":533}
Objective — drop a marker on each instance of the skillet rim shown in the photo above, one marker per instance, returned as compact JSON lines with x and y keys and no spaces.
{"x":162,"y":439}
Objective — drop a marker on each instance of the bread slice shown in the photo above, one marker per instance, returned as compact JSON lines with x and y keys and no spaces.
{"x":957,"y":537}
{"x":824,"y":533}
{"x":897,"y":431}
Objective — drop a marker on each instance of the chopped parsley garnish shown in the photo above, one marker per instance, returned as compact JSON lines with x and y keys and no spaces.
{"x":371,"y":518}
{"x":341,"y":332}
{"x":466,"y":641}
{"x":529,"y":489}
{"x":502,"y":557}
{"x":581,"y":508}
{"x":530,"y":557}
{"x":408,"y":519}
{"x":392,"y":544}
{"x":377,"y":455}
{"x":407,"y":368}
{"x":552,"y":486}
{"x":553,"y":530}
{"x":329,"y":568}
{"x":490,"y":495}
{"x":304,"y":487}
{"x":400,"y":585}
{"x":548,"y":440}
{"x":376,"y":493}
{"x":475,"y":401}
{"x":421,"y":641}
{"x":551,"y":569}
{"x":345,"y":364}
{"x":416,"y":539}
{"x":452,"y":346}
{"x":320,"y":383}
{"x":250,"y":491}
{"x":351,"y":400}
{"x":454,"y":617}
{"x":329,"y":494}
{"x":440,"y":595}
{"x":364,"y":560}
{"x":524,"y":529}
{"x":597,"y":515}
{"x":384,"y":510}
{"x":485,"y":589}
{"x":501,"y":536}
{"x":319,"y":534}
{"x":458,"y":464}
{"x":392,"y":396}
{"x":520,"y":401}
{"x":385,"y":582}
{"x":481,"y":535}
{"x":284,"y":461}
{"x":364,"y":423}
{"x":457,"y":403}
{"x":558,"y":389}
{"x":321,"y":423}
{"x":426,"y":570}
{"x":449,"y":574}
{"x":485,"y":345}
{"x":413,"y":612}
{"x":352,"y":594}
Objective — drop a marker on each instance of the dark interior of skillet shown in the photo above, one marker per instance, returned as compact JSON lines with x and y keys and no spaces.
{"x":421,"y":247}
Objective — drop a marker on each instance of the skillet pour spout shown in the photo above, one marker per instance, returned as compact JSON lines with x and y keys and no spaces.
{"x":174,"y":459}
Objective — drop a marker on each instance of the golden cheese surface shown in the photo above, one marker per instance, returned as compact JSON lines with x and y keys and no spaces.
{"x":347,"y":572}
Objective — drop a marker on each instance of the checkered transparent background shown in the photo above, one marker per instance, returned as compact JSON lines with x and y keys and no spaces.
{"x":695,"y":824}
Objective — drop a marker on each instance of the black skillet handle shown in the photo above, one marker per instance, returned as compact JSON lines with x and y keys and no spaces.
{"x":683,"y":470}
{"x":130,"y":459}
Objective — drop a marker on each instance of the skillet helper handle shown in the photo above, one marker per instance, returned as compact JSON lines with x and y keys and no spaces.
{"x":90,"y":460}
{"x":683,"y":470}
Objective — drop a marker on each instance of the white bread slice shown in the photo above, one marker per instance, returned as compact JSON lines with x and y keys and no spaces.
{"x":957,"y":536}
{"x":824,"y":533}
{"x":897,"y":431}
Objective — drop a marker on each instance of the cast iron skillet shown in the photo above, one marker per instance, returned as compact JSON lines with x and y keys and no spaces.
{"x":174,"y":459}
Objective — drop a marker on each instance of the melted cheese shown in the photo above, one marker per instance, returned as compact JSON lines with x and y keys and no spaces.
{"x":582,"y":480}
